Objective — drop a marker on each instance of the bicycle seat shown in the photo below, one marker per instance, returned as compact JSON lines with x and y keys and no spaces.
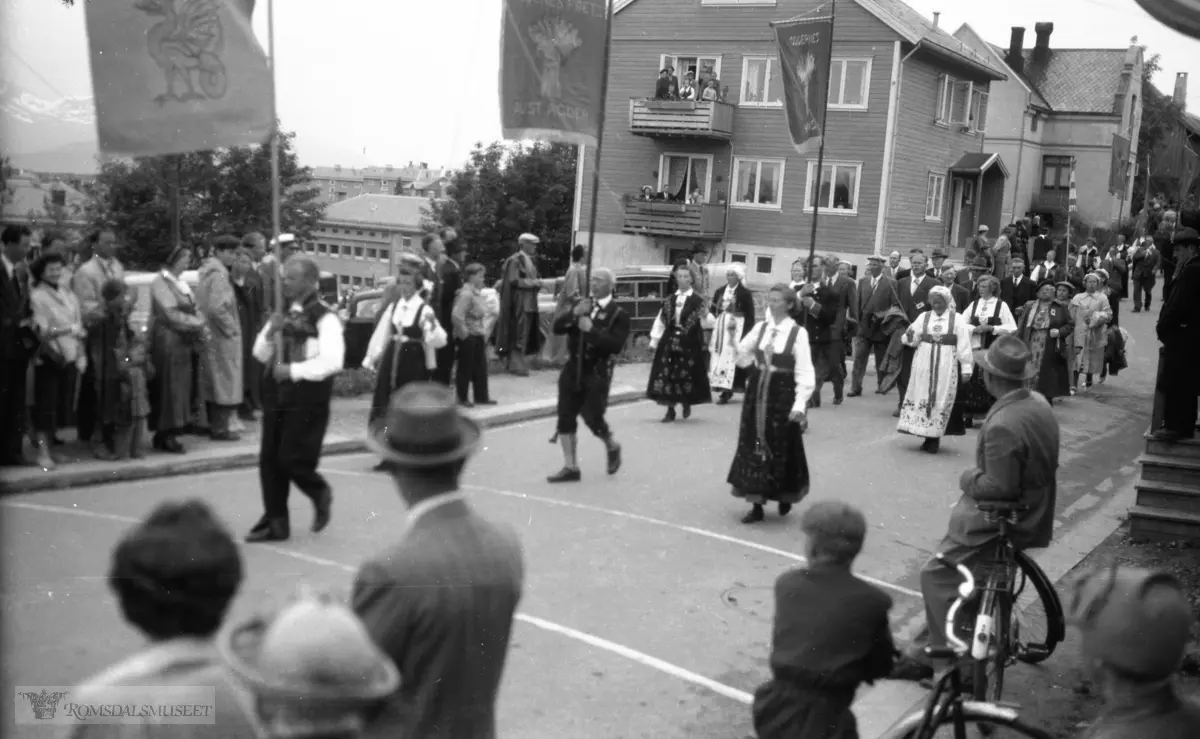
{"x":1001,"y":507}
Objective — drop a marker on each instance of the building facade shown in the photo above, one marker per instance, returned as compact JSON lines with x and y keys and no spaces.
{"x":902,"y":167}
{"x":335,"y":184}
{"x":360,"y":239}
{"x":1055,"y":106}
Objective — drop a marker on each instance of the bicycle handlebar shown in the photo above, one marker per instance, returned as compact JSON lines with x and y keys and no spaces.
{"x":965,"y":590}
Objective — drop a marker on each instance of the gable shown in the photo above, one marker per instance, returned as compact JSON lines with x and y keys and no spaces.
{"x":991,"y":53}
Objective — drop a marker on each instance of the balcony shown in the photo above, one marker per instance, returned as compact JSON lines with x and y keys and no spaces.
{"x":681,"y":119}
{"x":1050,"y":201}
{"x":705,"y":221}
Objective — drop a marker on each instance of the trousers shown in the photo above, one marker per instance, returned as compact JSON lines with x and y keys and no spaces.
{"x":290,"y":452}
{"x":1142,"y":285}
{"x":939,"y":587}
{"x":588,"y":401}
{"x":905,"y":372}
{"x":829,"y":362}
{"x":862,"y":348}
{"x":472,"y":368}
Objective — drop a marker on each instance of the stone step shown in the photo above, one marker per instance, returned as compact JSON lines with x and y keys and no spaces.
{"x":1172,"y":469}
{"x":1168,"y":496}
{"x":1156,"y":524}
{"x":1184,"y":448}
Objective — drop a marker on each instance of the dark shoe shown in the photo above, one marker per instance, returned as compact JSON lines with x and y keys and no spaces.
{"x":246,"y":415}
{"x":896,"y":414}
{"x":854,"y":394}
{"x":489,"y":401}
{"x":814,"y":401}
{"x":837,"y":399}
{"x":785,"y":508}
{"x":322,"y":510}
{"x":911,"y":670}
{"x":566,"y":474}
{"x":670,"y":415}
{"x":554,"y":439}
{"x":466,"y":404}
{"x":265,"y":531}
{"x":722,"y":399}
{"x":225,"y":436}
{"x":614,"y":459}
{"x":103,"y":453}
{"x":1137,"y":310}
{"x":687,"y":411}
{"x":931,"y":446}
{"x":755,"y":515}
{"x":168,"y":444}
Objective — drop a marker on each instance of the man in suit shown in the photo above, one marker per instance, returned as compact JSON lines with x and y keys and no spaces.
{"x":440,"y":601}
{"x":938,"y":260}
{"x":450,"y":280}
{"x":835,"y":295}
{"x":961,"y":295}
{"x":1179,"y":331}
{"x":1117,"y":270}
{"x":1144,"y":263}
{"x":893,"y":264}
{"x":1049,"y":269}
{"x":596,"y":332}
{"x":17,"y":343}
{"x":1164,"y":241}
{"x":1016,"y":290}
{"x":908,"y":271}
{"x":1016,"y":461}
{"x":913,"y":292}
{"x":1041,"y":245}
{"x":88,"y":283}
{"x":968,"y":278}
{"x":433,"y":251}
{"x":876,"y":295}
{"x":518,"y":333}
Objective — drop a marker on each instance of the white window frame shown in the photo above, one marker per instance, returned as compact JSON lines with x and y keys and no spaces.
{"x":662,"y":171}
{"x":979,"y":101}
{"x":757,"y":257}
{"x":771,"y":60}
{"x":733,"y":185}
{"x":808,"y":185}
{"x":866,"y":85}
{"x":949,"y":92}
{"x":673,"y":60}
{"x":935,"y":199}
{"x":719,"y":3}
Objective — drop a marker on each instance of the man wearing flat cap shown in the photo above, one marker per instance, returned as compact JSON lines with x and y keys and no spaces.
{"x":1179,"y":331}
{"x":876,"y":296}
{"x":596,"y":331}
{"x":518,"y":332}
{"x":440,"y":601}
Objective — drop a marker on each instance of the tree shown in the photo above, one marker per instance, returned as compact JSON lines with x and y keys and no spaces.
{"x":1162,"y":124}
{"x":242,"y":202}
{"x":506,"y":190}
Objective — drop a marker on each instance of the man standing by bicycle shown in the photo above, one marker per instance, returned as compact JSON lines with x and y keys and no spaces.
{"x":1016,"y":461}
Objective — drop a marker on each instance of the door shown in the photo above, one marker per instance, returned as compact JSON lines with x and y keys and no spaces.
{"x":966,"y":213}
{"x":685,"y":177}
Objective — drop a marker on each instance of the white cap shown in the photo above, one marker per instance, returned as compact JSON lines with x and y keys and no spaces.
{"x":528,"y":238}
{"x":983,"y":229}
{"x":284,"y":239}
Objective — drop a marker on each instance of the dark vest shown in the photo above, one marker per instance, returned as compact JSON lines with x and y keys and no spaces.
{"x":297,"y":330}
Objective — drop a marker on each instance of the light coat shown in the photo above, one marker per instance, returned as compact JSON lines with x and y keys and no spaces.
{"x":221,"y":357}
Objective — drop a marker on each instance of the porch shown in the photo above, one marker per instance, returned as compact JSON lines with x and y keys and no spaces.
{"x":976,"y":197}
{"x":681,"y":119}
{"x":703,"y":221}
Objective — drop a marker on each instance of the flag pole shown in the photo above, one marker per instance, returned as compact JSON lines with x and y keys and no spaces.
{"x":275,"y":170}
{"x":591,"y":249}
{"x":812,"y":239}
{"x":176,"y":228}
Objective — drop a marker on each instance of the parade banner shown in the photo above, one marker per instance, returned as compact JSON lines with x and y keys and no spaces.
{"x":1188,"y":169}
{"x":1118,"y":170}
{"x":172,"y":77}
{"x":804,"y":47}
{"x":552,"y":69}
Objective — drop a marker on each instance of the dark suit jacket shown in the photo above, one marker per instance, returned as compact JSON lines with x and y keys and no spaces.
{"x":818,"y":321}
{"x":902,"y":273}
{"x":16,"y":341}
{"x":872,"y":304}
{"x":1145,"y":262}
{"x":1041,"y":245}
{"x":450,"y":281}
{"x":962,"y":297}
{"x":1116,"y":269}
{"x":1016,"y":296}
{"x":1058,"y":273}
{"x":601,"y":345}
{"x":441,"y":602}
{"x":1016,"y":458}
{"x":838,"y":298}
{"x":1178,"y":329}
{"x":915,"y":302}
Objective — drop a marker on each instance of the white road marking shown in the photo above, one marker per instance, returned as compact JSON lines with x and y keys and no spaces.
{"x":1085,"y":501}
{"x":541,"y":623}
{"x":653,"y":521}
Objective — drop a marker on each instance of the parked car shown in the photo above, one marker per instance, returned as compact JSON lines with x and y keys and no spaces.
{"x":138,"y":284}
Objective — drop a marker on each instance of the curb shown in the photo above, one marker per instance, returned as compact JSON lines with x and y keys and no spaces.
{"x":520,"y":413}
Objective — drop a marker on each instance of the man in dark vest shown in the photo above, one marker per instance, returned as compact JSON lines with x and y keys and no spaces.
{"x":296,"y":394}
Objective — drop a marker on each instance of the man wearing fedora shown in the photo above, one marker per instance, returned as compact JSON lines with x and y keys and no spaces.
{"x":296,"y":394}
{"x":596,"y":331}
{"x":938,"y":260}
{"x":1179,"y":331}
{"x":440,"y":601}
{"x":876,"y":296}
{"x":1016,"y":459}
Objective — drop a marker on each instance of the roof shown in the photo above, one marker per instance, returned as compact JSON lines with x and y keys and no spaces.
{"x":396,"y":211}
{"x":978,"y":162}
{"x":1074,"y":80}
{"x":26,"y":194}
{"x":1191,"y":123}
{"x":997,"y":57}
{"x":409,"y":173}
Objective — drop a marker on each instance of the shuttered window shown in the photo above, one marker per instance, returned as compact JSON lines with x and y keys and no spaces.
{"x":979,"y":110}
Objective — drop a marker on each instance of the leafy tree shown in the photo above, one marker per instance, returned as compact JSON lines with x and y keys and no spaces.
{"x":242,"y":201}
{"x":1162,"y":121}
{"x":506,"y":190}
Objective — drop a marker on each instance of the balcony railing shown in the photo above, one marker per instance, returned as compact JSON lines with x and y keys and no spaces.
{"x":1051,"y":201}
{"x":681,"y":119}
{"x":662,"y":218}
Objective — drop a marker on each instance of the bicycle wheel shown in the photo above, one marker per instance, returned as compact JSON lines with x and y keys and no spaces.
{"x":1039,"y":624}
{"x":988,"y":674}
{"x":981,"y":719}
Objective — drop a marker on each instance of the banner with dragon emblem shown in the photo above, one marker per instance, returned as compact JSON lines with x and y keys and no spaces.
{"x":552,"y":69}
{"x":804,"y":46}
{"x":173,"y":76}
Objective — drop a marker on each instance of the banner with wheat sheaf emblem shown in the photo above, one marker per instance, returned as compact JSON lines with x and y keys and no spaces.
{"x":173,"y":76}
{"x":804,"y":68}
{"x":552,"y":69}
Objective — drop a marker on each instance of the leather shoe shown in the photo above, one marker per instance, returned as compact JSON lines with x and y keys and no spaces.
{"x":785,"y":508}
{"x":265,"y":531}
{"x":225,"y":436}
{"x":486,"y":402}
{"x":614,"y":459}
{"x":896,"y":413}
{"x":322,"y":509}
{"x":670,"y":416}
{"x":566,"y":474}
{"x":754,"y":516}
{"x":854,"y":394}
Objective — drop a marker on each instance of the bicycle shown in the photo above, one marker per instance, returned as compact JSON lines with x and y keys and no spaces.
{"x":948,"y":704}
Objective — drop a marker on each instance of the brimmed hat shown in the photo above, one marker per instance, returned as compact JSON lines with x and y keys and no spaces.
{"x":939,"y":253}
{"x":1069,"y":285}
{"x":1042,"y":284}
{"x":423,"y":428}
{"x":1186,"y":237}
{"x":528,"y":238}
{"x":983,"y":229}
{"x":875,"y":258}
{"x":1008,"y":357}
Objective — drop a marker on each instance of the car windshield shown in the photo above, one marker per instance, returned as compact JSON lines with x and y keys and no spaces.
{"x":368,"y":308}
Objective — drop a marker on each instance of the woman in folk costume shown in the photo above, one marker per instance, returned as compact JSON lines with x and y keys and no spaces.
{"x":679,"y":372}
{"x":942,"y":361}
{"x":1063,"y":292}
{"x":988,"y":318}
{"x":734,"y":307}
{"x":770,"y":463}
{"x":1045,"y":328}
{"x":1090,"y":313}
{"x":403,"y":345}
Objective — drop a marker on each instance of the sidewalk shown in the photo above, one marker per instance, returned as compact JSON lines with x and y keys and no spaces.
{"x":520,"y":399}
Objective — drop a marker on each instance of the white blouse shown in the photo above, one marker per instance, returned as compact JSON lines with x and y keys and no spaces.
{"x":984,"y":309}
{"x":396,"y":317}
{"x":768,"y":333}
{"x":660,"y":326}
{"x":939,"y":326}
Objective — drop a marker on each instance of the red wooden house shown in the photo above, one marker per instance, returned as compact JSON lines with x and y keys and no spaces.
{"x":904,"y":166}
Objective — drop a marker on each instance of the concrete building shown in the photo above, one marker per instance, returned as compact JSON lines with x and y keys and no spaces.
{"x":360,"y":239}
{"x":338,"y":183}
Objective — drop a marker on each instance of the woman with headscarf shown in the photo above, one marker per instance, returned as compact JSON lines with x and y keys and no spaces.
{"x":1091,"y":315}
{"x":679,"y":372}
{"x":770,"y":463}
{"x":988,"y":318}
{"x":943,"y":359}
{"x":733,"y":305}
{"x":1045,"y":328}
{"x":177,"y":331}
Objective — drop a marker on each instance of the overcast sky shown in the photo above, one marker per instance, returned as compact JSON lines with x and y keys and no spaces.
{"x":416,"y":79}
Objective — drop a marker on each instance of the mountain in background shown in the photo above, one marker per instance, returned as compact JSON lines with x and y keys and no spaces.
{"x":48,"y":136}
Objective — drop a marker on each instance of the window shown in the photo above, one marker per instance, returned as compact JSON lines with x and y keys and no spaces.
{"x":761,"y":83}
{"x":1056,"y":173}
{"x":759,"y":182}
{"x":770,"y":3}
{"x":762,"y":265}
{"x":371,"y":234}
{"x":978,"y":117}
{"x":935,"y":197}
{"x":384,"y":255}
{"x":334,"y":250}
{"x":344,"y":279}
{"x":358,"y":252}
{"x":702,"y":67}
{"x":838,"y":192}
{"x":406,"y":242}
{"x":682,"y":175}
{"x":1033,"y":123}
{"x":735,"y":257}
{"x":356,"y":233}
{"x":322,"y":249}
{"x":372,"y":254}
{"x":357,"y":281}
{"x":954,"y":100}
{"x":849,"y":84}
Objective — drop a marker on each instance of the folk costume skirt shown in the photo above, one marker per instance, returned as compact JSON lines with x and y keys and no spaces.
{"x":679,"y":373}
{"x":723,"y":372}
{"x":770,"y":463}
{"x":932,"y":391}
{"x":403,"y":362}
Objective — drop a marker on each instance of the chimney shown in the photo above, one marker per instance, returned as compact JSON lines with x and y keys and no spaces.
{"x":936,"y":17}
{"x":1041,"y":51}
{"x":1016,"y":50}
{"x":1180,"y":96}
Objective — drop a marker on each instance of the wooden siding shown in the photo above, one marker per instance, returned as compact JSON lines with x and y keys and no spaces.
{"x":922,"y":146}
{"x":684,"y":119}
{"x":650,"y":28}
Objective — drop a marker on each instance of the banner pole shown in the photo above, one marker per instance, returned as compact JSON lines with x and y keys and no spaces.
{"x":812,"y":239}
{"x":591,"y":248}
{"x":275,"y":217}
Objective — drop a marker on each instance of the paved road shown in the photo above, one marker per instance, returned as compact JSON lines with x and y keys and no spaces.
{"x":647,"y":607}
